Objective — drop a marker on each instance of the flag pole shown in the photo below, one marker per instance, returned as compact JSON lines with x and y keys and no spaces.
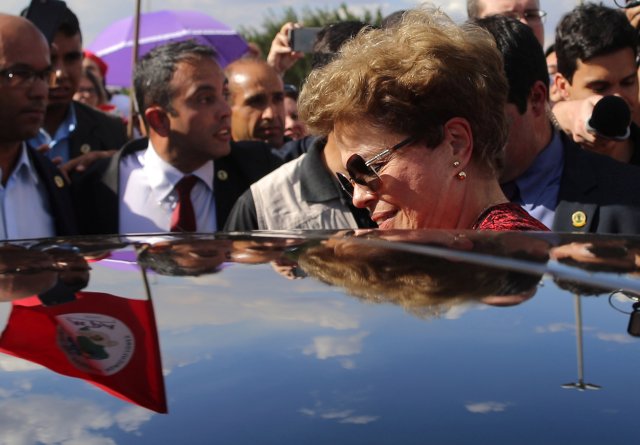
{"x":134,"y":60}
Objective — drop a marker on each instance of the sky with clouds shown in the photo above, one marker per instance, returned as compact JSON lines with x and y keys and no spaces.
{"x":95,"y":16}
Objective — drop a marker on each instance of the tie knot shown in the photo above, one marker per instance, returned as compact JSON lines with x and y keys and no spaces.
{"x":184,"y":186}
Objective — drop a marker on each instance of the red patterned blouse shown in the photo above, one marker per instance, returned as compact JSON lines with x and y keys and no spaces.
{"x":508,"y":216}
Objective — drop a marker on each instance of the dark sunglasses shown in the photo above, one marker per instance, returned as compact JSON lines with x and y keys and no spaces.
{"x":361,"y":172}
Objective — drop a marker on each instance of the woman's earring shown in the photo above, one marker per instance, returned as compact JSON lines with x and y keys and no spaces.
{"x":456,"y":163}
{"x":462,"y":176}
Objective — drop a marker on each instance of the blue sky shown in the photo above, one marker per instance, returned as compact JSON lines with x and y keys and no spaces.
{"x":95,"y":16}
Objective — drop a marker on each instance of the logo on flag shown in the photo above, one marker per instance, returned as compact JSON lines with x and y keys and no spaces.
{"x":95,"y":343}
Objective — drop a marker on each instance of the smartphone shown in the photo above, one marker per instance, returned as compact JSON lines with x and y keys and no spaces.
{"x":303,"y":39}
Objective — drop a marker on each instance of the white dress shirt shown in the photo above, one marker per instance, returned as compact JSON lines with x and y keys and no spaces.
{"x":24,"y":203}
{"x":148,"y":195}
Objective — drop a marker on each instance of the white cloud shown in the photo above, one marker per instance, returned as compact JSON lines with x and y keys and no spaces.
{"x":130,"y":419}
{"x":336,"y":414}
{"x":455,"y":312}
{"x":360,"y":420}
{"x":554,"y":328}
{"x":341,"y":416}
{"x":335,"y":346}
{"x":347,"y":363}
{"x":486,"y":407}
{"x":50,"y":419}
{"x":616,"y":338}
{"x":9,"y":363}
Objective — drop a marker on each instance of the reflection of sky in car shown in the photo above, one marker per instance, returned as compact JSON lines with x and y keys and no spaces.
{"x":250,"y":357}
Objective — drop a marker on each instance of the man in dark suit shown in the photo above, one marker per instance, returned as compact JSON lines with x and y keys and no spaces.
{"x":70,"y":128}
{"x":564,"y":186}
{"x":34,"y":197}
{"x":187,"y":175}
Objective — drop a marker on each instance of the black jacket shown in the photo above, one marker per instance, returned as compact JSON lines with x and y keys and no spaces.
{"x":58,"y":192}
{"x":597,"y":194}
{"x":96,"y":195}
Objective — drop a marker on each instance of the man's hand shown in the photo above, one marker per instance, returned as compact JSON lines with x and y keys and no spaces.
{"x":281,"y":57}
{"x":44,"y":148}
{"x":82,"y":162}
{"x":573,"y":115}
{"x":633,"y":14}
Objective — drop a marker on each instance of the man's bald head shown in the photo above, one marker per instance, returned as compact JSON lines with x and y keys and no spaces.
{"x":257,"y":102}
{"x":25,"y":64}
{"x":14,"y":28}
{"x":527,"y":11}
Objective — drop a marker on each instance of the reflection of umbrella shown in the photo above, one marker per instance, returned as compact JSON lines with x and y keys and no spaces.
{"x":156,"y":28}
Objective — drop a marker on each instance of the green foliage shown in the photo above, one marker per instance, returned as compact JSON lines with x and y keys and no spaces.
{"x":307,"y":17}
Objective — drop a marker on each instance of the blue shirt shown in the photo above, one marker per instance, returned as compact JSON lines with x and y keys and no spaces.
{"x":24,"y":204}
{"x":540,"y":184}
{"x":59,"y":142}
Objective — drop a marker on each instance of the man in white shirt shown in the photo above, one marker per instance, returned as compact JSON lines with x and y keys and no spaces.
{"x":34,"y":199}
{"x":170,"y":182}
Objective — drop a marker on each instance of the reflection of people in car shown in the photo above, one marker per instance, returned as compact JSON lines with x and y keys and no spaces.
{"x":53,"y":274}
{"x":185,"y":257}
{"x":609,"y":255}
{"x":424,"y":285}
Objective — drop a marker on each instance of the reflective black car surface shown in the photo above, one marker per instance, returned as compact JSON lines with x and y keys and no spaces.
{"x":365,"y":337}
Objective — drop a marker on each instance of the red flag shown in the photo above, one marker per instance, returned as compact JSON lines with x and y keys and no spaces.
{"x":109,"y":341}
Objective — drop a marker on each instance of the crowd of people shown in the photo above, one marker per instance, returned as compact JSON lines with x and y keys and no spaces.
{"x":418,"y":123}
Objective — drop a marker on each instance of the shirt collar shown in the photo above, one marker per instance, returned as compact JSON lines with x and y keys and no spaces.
{"x":316,"y":182}
{"x":162,"y":177}
{"x":546,"y":169}
{"x":24,"y":165}
{"x":65,"y":129}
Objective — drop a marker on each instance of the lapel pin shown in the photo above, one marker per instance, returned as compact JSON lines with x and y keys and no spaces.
{"x":222,"y":175}
{"x":579,"y":219}
{"x":59,"y":181}
{"x":85,"y":148}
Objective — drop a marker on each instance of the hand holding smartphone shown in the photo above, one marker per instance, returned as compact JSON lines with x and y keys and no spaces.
{"x":303,"y":39}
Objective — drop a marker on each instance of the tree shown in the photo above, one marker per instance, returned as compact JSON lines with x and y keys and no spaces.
{"x":308,"y":17}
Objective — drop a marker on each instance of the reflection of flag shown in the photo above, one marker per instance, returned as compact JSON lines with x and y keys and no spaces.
{"x":109,"y":341}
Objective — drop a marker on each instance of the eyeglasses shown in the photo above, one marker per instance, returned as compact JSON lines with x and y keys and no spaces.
{"x":530,"y":15}
{"x":626,"y":3}
{"x":22,"y":77}
{"x":362,"y":172}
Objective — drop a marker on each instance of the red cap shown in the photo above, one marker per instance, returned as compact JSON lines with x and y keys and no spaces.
{"x":102,"y":66}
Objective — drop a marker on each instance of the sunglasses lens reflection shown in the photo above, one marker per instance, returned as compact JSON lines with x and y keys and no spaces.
{"x":345,"y":183}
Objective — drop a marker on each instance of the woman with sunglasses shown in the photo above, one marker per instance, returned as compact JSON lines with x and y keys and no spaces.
{"x":417,"y":111}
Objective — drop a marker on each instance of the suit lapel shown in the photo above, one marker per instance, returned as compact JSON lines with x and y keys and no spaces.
{"x":85,"y":126}
{"x":109,"y":192}
{"x":58,"y":194}
{"x":575,"y":212}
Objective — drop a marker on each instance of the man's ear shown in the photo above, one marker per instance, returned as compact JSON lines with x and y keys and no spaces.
{"x":458,"y":133}
{"x":563,"y":86}
{"x":538,"y":97}
{"x":158,"y":120}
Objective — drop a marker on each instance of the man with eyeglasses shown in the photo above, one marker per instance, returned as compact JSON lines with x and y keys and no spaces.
{"x":70,"y":128}
{"x":526,"y":11}
{"x":34,"y":197}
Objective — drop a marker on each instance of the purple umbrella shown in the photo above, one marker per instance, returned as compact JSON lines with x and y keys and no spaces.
{"x":156,"y":28}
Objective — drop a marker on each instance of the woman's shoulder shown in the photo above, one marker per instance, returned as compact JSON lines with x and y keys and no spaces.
{"x":508,"y":216}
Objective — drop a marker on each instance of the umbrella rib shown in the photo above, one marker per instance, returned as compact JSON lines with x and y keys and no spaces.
{"x":163,"y":37}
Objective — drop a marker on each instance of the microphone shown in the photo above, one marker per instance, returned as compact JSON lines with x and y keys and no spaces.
{"x":610,"y":118}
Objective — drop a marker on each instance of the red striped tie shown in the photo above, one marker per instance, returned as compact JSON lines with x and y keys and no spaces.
{"x":183,"y":218}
